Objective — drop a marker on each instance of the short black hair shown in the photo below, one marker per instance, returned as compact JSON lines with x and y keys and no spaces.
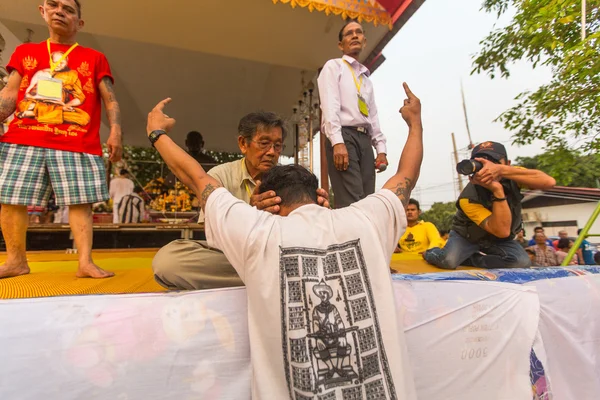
{"x":415,"y":202}
{"x":294,"y":184}
{"x":78,"y":4}
{"x":194,"y":140}
{"x":251,"y":123}
{"x":563,"y":243}
{"x":538,"y":228}
{"x":123,"y":172}
{"x":350,"y":21}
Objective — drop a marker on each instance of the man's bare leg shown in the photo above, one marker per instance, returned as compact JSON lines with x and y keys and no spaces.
{"x":80,"y":220}
{"x":14,"y":220}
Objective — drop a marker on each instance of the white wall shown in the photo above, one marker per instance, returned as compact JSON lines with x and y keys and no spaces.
{"x":573,"y":212}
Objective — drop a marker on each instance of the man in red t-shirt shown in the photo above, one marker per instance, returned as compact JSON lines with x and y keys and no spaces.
{"x":55,"y":89}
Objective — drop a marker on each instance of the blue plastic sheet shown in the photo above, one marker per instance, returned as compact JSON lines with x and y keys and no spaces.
{"x":516,"y":275}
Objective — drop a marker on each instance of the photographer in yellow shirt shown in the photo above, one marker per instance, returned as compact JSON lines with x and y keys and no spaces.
{"x":419,"y":235}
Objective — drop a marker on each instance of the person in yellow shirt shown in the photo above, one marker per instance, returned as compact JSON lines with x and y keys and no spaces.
{"x":419,"y":235}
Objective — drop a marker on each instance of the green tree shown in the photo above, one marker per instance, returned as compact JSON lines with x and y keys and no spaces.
{"x":564,"y":113}
{"x":569,"y":168}
{"x":441,"y":215}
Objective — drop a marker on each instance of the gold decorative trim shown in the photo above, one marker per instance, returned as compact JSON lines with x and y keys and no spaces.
{"x":361,"y":10}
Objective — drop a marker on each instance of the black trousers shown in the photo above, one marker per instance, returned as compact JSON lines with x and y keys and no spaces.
{"x":358,"y":181}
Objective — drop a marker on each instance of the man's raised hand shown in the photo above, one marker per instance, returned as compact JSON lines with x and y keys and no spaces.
{"x":411,"y":110}
{"x":158,"y":120}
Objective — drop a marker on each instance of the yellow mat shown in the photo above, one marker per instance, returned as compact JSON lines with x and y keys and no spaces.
{"x":404,"y":263}
{"x":53,"y":274}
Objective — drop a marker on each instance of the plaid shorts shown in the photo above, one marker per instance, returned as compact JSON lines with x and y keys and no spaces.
{"x":29,"y":174}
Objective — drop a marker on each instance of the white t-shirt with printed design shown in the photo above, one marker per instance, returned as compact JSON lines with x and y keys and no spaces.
{"x":321,"y":309}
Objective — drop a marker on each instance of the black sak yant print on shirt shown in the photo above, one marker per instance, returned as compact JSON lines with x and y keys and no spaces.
{"x":332,"y":344}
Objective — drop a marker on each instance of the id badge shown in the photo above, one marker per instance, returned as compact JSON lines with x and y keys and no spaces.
{"x":362,"y":106}
{"x":50,"y":88}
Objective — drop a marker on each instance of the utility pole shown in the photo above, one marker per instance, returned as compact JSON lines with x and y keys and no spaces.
{"x":460,"y":184}
{"x":464,"y":104}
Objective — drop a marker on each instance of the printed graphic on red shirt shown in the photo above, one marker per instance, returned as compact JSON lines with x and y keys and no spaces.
{"x":55,"y":111}
{"x":70,"y":120}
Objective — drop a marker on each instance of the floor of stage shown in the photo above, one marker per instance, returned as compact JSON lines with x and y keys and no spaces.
{"x":53,"y":273}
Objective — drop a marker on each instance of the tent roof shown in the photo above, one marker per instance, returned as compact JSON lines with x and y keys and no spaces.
{"x":218,"y":60}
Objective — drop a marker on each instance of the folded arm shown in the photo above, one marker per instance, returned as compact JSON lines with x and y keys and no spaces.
{"x":497,"y":221}
{"x":529,"y":178}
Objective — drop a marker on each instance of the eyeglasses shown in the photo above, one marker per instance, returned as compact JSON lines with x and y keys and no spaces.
{"x":265,"y":145}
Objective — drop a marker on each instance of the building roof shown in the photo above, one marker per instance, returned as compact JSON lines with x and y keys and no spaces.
{"x":559,"y":195}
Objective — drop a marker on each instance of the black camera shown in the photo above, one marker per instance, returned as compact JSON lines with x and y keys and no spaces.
{"x":468,"y":167}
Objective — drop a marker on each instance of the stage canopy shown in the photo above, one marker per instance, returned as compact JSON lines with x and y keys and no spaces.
{"x":218,"y":60}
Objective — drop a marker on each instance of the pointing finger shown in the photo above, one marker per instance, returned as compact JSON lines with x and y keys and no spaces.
{"x":407,"y":90}
{"x":161,"y":105}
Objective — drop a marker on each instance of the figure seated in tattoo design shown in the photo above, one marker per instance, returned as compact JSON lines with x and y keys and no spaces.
{"x":330,"y":334}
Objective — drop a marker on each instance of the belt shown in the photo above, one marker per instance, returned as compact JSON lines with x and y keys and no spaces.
{"x":360,"y":129}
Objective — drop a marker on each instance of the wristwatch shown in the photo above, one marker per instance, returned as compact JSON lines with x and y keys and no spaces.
{"x":154,"y":135}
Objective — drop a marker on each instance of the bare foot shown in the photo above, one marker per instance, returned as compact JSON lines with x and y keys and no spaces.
{"x":8,"y":271}
{"x":91,"y":270}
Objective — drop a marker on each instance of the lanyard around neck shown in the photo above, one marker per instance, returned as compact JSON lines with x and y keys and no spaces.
{"x":246,"y":181}
{"x":247,"y":188}
{"x":53,"y":65}
{"x":357,"y":83}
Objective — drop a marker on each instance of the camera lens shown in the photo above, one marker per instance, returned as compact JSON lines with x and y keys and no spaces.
{"x":468,"y":167}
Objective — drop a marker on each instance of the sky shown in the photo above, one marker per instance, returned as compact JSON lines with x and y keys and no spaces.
{"x":433,"y":52}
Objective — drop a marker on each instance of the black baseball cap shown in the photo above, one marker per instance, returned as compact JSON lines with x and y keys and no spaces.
{"x":493,"y":149}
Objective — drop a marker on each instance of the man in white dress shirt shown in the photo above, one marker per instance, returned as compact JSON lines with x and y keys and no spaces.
{"x":350,"y":120}
{"x":322,"y":320}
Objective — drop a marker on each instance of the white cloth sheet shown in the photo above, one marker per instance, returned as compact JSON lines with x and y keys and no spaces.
{"x":570,"y":329}
{"x":469,"y":340}
{"x":466,"y":340}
